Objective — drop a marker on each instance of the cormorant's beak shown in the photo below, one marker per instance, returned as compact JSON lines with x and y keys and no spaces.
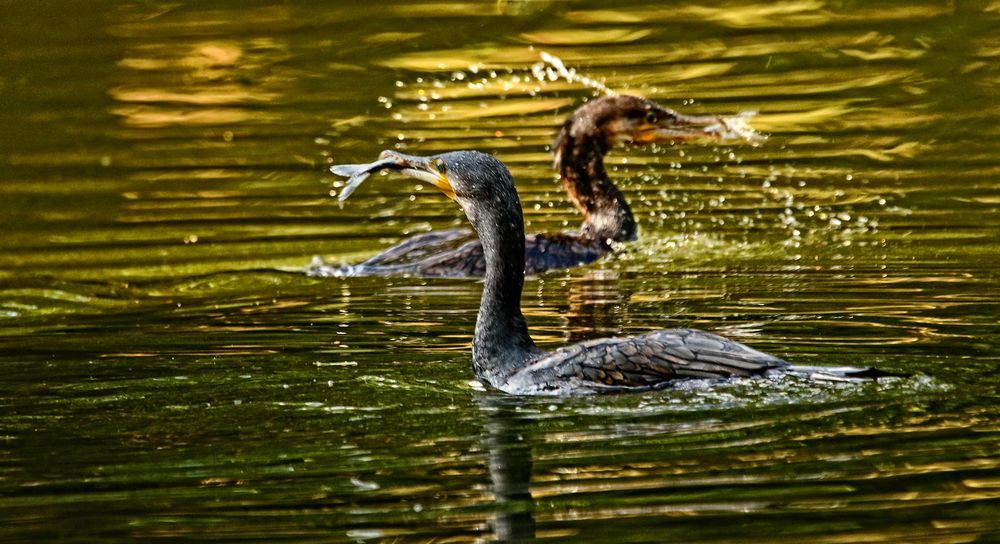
{"x":429,"y":169}
{"x":682,"y":128}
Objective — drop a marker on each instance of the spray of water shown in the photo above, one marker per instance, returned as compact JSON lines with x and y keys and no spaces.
{"x":552,"y":68}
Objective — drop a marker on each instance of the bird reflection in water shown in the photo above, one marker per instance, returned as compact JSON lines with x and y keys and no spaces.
{"x":507,"y":442}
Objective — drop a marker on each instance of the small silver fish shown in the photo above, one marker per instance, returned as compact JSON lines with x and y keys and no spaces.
{"x":358,"y":173}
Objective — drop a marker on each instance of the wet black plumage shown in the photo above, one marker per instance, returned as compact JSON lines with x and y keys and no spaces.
{"x":503,"y":353}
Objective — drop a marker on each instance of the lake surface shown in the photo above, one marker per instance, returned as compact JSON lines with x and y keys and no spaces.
{"x":168,"y":370}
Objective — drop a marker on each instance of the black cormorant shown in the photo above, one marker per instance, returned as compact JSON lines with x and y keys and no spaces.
{"x":503,"y":354}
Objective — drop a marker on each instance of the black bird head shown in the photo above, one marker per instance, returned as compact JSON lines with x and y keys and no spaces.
{"x":477,"y":181}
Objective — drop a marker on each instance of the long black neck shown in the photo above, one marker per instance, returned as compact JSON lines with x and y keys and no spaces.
{"x":502,"y":344}
{"x":580,"y":154}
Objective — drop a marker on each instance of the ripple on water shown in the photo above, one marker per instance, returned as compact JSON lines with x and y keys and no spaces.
{"x":162,"y":376}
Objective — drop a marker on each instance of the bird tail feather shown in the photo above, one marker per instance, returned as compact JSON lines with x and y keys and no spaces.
{"x":842,"y":373}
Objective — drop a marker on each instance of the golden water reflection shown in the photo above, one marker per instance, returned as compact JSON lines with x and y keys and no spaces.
{"x":169,"y":370}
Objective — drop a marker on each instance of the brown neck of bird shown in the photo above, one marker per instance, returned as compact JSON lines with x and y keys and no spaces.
{"x":606,"y":214}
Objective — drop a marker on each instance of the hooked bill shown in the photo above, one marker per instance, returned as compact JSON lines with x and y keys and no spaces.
{"x":358,"y":173}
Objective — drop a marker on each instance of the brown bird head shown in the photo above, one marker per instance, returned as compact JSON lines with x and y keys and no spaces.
{"x":611,"y":120}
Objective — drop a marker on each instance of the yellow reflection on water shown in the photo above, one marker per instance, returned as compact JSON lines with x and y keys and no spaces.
{"x":585,"y":36}
{"x":200,"y":83}
{"x":801,"y":13}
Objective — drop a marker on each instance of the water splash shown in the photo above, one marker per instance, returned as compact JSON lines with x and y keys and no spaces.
{"x":737,"y":127}
{"x":556,"y":68}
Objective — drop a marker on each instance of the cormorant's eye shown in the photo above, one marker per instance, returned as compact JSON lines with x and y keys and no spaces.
{"x":439,"y":164}
{"x":651,"y":117}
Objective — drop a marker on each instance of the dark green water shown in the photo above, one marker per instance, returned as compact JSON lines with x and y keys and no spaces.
{"x":167,"y":370}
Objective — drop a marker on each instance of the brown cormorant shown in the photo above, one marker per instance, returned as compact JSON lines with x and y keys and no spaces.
{"x":503,"y":354}
{"x":584,"y":139}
